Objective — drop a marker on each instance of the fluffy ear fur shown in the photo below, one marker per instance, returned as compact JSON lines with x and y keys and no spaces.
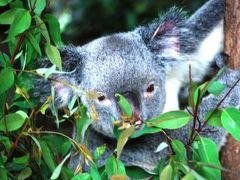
{"x":163,"y":35}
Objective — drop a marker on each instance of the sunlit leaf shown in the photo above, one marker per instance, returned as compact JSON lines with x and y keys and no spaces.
{"x":124,"y":105}
{"x":38,"y":5}
{"x":146,"y":130}
{"x":21,"y":22}
{"x":114,"y":166}
{"x":231,"y":121}
{"x":170,"y":120}
{"x":82,"y":176}
{"x":53,"y":55}
{"x":94,"y":172}
{"x":58,"y":169}
{"x":13,"y":121}
{"x":214,"y":118}
{"x":216,"y":88}
{"x":161,"y":146}
{"x":180,"y":151}
{"x":123,"y":138}
{"x":167,"y":173}
{"x":99,"y":151}
{"x":208,"y":153}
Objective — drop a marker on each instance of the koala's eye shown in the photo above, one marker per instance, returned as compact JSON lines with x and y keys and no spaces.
{"x":101,"y":98}
{"x":150,"y":88}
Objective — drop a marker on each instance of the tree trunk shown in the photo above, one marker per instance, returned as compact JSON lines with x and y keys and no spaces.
{"x":230,"y":154}
{"x":232,"y":32}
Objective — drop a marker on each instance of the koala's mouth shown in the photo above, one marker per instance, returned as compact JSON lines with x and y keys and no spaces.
{"x":138,"y":124}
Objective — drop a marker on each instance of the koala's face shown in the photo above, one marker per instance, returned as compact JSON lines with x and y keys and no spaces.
{"x":122,"y":64}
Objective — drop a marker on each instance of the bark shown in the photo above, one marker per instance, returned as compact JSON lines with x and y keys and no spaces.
{"x":230,"y":154}
{"x":232,"y":32}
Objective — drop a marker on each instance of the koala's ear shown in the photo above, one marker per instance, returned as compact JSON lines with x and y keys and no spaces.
{"x":163,"y":35}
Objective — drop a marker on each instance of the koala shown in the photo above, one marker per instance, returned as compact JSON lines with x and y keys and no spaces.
{"x":149,"y":66}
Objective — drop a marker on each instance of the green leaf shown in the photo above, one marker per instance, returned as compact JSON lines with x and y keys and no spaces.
{"x":215,"y":119}
{"x":6,"y":79}
{"x":3,"y":99}
{"x":4,"y":2}
{"x":170,"y":120}
{"x":24,"y":174}
{"x":39,"y":6}
{"x":199,"y":93}
{"x":180,"y":151}
{"x":47,"y":155}
{"x":146,"y":130}
{"x":54,"y":29}
{"x":6,"y":142}
{"x":7,"y":17}
{"x":21,"y":160}
{"x":21,"y":22}
{"x":12,"y":122}
{"x":188,"y":176}
{"x":216,"y":88}
{"x":208,"y":154}
{"x":43,"y":29}
{"x":94,"y":172}
{"x":82,"y":176}
{"x":53,"y":55}
{"x":124,"y":105}
{"x":3,"y":173}
{"x":193,"y":172}
{"x":34,"y":43}
{"x":231,"y":121}
{"x":58,"y":169}
{"x":114,"y":166}
{"x":135,"y":172}
{"x":99,"y":151}
{"x":82,"y":123}
{"x":167,"y":173}
{"x":123,"y":138}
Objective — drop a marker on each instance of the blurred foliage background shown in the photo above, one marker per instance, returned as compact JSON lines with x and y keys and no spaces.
{"x":84,"y":20}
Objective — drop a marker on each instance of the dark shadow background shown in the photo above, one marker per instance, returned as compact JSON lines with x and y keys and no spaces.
{"x":90,"y":19}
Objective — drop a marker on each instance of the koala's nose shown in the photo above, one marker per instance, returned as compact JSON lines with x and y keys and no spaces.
{"x":135,"y":104}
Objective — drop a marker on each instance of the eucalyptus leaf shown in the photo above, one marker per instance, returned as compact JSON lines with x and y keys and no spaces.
{"x":12,"y":122}
{"x":123,"y":138}
{"x":82,"y":176}
{"x":8,"y":16}
{"x":216,"y":88}
{"x":124,"y":105}
{"x":167,"y":173}
{"x":231,"y":121}
{"x":57,"y":170}
{"x":39,"y":6}
{"x":54,"y":29}
{"x":6,"y":79}
{"x":170,"y":120}
{"x":146,"y":130}
{"x":4,"y":2}
{"x":21,"y":22}
{"x":53,"y":55}
{"x":214,"y":118}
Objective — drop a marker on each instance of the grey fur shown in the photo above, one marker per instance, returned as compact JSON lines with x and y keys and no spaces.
{"x":129,"y":62}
